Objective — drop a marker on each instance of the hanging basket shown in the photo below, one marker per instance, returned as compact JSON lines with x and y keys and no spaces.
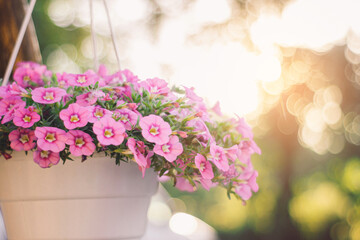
{"x":55,"y":116}
{"x":89,"y":200}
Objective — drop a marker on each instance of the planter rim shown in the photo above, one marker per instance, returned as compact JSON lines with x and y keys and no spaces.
{"x":21,"y":179}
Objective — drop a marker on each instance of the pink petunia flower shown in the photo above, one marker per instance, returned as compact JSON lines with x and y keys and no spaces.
{"x":247,"y":148}
{"x":138,"y":150}
{"x":252,"y":182}
{"x":130,"y":77}
{"x":184,"y":185}
{"x":22,"y":139}
{"x":156,"y":86}
{"x":204,"y":167}
{"x":80,"y":143}
{"x":133,"y":107}
{"x":192,"y":95}
{"x":47,"y":95}
{"x":155,"y":129}
{"x":148,"y":161}
{"x":170,"y":150}
{"x":86,"y":99}
{"x":97,"y":112}
{"x":50,"y":138}
{"x":109,"y":132}
{"x":75,"y":116}
{"x":243,"y":128}
{"x":27,"y":77}
{"x":106,"y":79}
{"x":107,"y":97}
{"x":25,"y":117}
{"x":17,"y":90}
{"x":67,"y":98}
{"x":244,"y":191}
{"x":207,"y":183}
{"x":232,"y":172}
{"x":233,"y":152}
{"x":8,"y":106}
{"x":216,"y":109}
{"x":46,"y":159}
{"x":247,"y":172}
{"x":218,"y":157}
{"x":127,"y":117}
{"x":83,"y":80}
{"x":28,"y":64}
{"x":4,"y":92}
{"x":62,"y":79}
{"x":40,"y":69}
{"x":200,"y":126}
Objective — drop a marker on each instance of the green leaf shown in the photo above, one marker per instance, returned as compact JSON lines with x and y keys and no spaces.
{"x":162,"y":172}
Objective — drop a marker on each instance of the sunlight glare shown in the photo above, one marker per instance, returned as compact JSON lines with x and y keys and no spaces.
{"x":183,"y":224}
{"x":212,"y":11}
{"x":269,"y":68}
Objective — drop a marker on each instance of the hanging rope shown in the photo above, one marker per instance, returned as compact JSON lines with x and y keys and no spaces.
{"x":112,"y":35}
{"x":26,"y":21}
{"x":19,"y":40}
{"x":93,"y":37}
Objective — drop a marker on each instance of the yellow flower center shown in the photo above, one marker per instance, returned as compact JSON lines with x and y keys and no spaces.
{"x":27,"y":118}
{"x":202,"y":166}
{"x":81,"y":79}
{"x":49,"y":96}
{"x":108,"y":133}
{"x":24,"y":138}
{"x":124,"y":118}
{"x":44,"y":154}
{"x":50,"y":137}
{"x":98,"y":113}
{"x":79,"y":142}
{"x":165,"y":148}
{"x":74,"y":118}
{"x":26,"y":78}
{"x":154,"y":130}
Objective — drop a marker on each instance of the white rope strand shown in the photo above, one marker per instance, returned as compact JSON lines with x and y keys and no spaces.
{"x":93,"y":37}
{"x":112,"y":35}
{"x":19,"y":40}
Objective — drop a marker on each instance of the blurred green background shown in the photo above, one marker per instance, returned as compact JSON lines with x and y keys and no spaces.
{"x":300,"y":60}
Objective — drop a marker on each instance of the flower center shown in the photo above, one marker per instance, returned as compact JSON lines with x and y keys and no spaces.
{"x":50,"y":137}
{"x":108,"y":132}
{"x":124,"y":118}
{"x":202,"y":166}
{"x":165,"y":148}
{"x":154,"y":130}
{"x":24,"y":138}
{"x":99,"y":113}
{"x":49,"y":96}
{"x":154,"y":89}
{"x":26,"y":78}
{"x":81,"y":79}
{"x":217,"y":156}
{"x":89,"y":98}
{"x":79,"y":141}
{"x":10,"y":107}
{"x":44,"y":154}
{"x":27,"y":118}
{"x":74,"y":118}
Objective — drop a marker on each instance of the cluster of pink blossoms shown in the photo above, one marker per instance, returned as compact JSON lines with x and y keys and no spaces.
{"x":62,"y":115}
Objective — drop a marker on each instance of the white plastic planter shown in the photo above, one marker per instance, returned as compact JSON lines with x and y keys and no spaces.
{"x":91,"y":200}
